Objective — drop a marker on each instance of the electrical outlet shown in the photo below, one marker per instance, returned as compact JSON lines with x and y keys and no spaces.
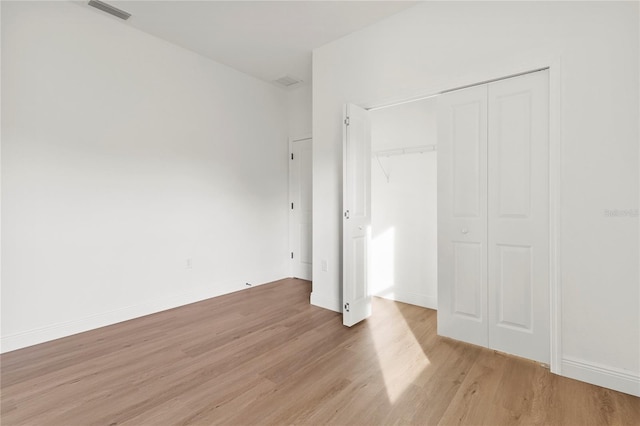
{"x":324,"y":265}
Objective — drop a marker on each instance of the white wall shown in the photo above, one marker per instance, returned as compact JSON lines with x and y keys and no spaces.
{"x":404,"y":244}
{"x":439,"y":45}
{"x":299,"y":111}
{"x":122,"y":157}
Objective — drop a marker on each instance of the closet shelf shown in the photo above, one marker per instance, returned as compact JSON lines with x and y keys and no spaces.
{"x":401,"y":151}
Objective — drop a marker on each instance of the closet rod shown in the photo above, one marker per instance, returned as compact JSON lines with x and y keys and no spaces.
{"x":493,"y":80}
{"x":433,"y":95}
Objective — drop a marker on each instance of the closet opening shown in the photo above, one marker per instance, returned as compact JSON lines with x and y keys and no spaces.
{"x":403,"y":247}
{"x":448,"y":206}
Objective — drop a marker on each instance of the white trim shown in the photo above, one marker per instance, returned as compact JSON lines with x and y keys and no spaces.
{"x":299,"y":138}
{"x":555,"y":215}
{"x":330,"y":304}
{"x":402,"y":102}
{"x":601,"y":375}
{"x":63,"y":329}
{"x":429,"y":302}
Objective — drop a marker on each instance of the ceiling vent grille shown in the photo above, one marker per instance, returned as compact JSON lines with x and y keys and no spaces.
{"x":288,"y":81}
{"x":109,"y":9}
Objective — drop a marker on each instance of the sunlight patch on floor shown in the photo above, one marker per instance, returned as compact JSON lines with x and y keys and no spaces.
{"x":400,"y":355}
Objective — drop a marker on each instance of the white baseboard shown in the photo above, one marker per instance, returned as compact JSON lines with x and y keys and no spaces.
{"x":601,"y":375}
{"x":56,"y":331}
{"x":404,"y":297}
{"x":331,"y":304}
{"x":410,"y":298}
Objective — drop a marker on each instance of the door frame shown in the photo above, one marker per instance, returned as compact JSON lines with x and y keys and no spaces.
{"x":500,"y":71}
{"x":291,"y":197}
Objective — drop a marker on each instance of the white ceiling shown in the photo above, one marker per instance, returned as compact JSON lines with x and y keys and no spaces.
{"x":266,"y":39}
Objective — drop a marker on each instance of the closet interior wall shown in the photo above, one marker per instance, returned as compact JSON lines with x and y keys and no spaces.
{"x":403,"y":203}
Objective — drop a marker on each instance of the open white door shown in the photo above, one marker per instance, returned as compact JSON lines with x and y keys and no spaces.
{"x":356,"y":219}
{"x":462,"y":215}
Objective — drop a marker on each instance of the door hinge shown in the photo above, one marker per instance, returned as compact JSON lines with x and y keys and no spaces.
{"x":346,"y":214}
{"x":346,"y":307}
{"x":292,"y":255}
{"x":291,"y":206}
{"x":346,"y":121}
{"x":292,"y":155}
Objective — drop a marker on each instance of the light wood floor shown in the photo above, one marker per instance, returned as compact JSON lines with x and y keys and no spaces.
{"x":265,"y":356}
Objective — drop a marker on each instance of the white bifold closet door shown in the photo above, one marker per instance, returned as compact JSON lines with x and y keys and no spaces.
{"x":356,"y":223}
{"x":462,"y":215}
{"x":493,"y":215}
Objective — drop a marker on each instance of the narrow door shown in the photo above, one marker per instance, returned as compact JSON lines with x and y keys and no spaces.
{"x":300,"y":196}
{"x":462,"y":215}
{"x":356,"y":225}
{"x":518,"y":213}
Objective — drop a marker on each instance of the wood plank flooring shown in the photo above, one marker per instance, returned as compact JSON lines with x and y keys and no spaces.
{"x":265,"y":356}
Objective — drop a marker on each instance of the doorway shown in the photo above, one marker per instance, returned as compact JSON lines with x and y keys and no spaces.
{"x":300,"y":212}
{"x":513,"y":306}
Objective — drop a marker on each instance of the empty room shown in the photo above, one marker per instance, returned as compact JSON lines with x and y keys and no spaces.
{"x":320,"y":212}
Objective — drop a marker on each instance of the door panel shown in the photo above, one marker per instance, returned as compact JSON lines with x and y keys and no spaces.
{"x":466,"y":140}
{"x":518,"y":216}
{"x":514,"y":286}
{"x":301,"y":216}
{"x":356,"y":223}
{"x":358,"y":274}
{"x":467,"y":282}
{"x":359,"y":161}
{"x":462,"y":215}
{"x":512,"y":142}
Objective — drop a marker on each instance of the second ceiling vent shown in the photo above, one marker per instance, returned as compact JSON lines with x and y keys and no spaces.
{"x":288,"y":81}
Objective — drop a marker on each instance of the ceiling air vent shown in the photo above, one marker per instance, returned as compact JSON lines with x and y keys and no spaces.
{"x":109,"y":9}
{"x":288,"y":81}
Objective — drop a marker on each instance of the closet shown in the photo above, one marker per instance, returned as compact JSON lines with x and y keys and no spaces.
{"x":403,"y":255}
{"x":493,"y":215}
